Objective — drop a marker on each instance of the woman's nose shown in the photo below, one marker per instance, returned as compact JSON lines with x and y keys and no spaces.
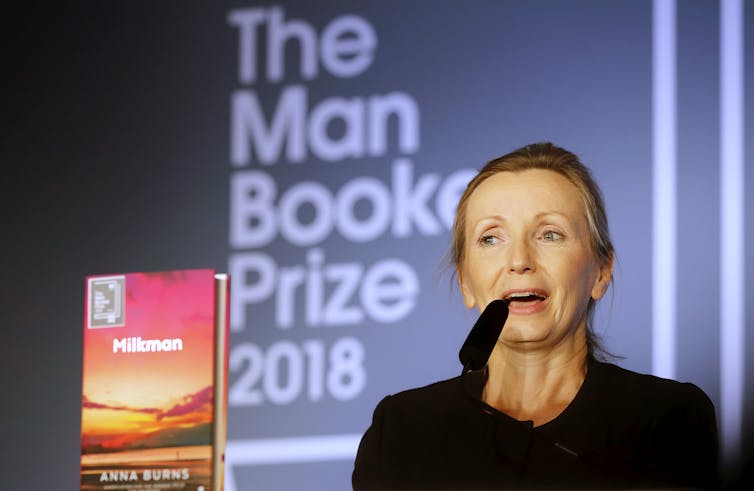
{"x":520,"y":258}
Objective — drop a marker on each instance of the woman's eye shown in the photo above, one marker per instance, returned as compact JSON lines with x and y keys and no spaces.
{"x":552,"y":236}
{"x":488,"y":240}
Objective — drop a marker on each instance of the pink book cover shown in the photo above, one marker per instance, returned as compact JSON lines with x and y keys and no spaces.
{"x":154,"y":378}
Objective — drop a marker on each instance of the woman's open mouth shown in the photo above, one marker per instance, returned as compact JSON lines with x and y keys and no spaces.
{"x":526,"y":301}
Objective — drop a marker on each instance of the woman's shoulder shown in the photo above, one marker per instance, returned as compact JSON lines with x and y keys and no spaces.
{"x":443,"y":395}
{"x":669,"y":426}
{"x":644,"y":391}
{"x":623,"y":377}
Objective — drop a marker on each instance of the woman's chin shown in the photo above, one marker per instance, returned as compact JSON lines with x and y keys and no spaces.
{"x":525,"y":337}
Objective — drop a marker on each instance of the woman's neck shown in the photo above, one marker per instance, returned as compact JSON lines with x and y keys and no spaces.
{"x":535,"y":385}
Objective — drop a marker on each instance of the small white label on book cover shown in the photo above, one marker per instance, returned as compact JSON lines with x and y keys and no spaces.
{"x":106,"y":298}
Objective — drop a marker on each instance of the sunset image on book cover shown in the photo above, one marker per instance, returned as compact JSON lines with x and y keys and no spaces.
{"x":154,"y":371}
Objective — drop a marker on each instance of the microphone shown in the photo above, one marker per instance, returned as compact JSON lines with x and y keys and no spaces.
{"x":477,"y":348}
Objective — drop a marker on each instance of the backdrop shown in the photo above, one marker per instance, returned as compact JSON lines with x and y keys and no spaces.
{"x":316,"y":151}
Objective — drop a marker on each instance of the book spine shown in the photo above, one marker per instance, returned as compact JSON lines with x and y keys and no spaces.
{"x":220,"y":396}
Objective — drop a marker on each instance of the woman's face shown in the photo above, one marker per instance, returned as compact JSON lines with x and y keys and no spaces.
{"x":527,"y":241}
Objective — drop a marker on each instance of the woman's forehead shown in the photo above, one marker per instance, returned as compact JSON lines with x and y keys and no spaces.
{"x":533,"y":191}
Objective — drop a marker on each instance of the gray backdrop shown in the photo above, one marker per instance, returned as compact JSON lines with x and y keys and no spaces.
{"x":321,"y":172}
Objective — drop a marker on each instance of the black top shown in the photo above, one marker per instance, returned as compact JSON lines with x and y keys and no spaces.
{"x":622,"y":429}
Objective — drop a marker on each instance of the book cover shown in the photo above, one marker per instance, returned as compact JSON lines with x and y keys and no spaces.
{"x":154,"y":381}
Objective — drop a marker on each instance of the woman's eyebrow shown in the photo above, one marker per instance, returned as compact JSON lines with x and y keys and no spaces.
{"x":488,"y":218}
{"x":545,"y":214}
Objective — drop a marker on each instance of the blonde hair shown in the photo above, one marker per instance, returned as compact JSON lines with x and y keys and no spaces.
{"x":549,"y":157}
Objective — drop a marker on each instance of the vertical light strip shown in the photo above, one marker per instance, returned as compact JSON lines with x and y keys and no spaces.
{"x":731,"y":228}
{"x":664,"y":188}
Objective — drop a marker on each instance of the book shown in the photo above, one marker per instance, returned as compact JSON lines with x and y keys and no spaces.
{"x":154,"y":382}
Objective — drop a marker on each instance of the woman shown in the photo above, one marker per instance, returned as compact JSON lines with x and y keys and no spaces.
{"x":531,"y":229}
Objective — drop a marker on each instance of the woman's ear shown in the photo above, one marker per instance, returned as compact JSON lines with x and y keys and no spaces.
{"x":468,"y":297}
{"x":603,"y":279}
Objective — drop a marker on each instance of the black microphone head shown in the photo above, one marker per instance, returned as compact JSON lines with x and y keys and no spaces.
{"x":477,"y":348}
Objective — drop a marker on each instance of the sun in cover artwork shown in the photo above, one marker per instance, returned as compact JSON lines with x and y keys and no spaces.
{"x":148,"y":384}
